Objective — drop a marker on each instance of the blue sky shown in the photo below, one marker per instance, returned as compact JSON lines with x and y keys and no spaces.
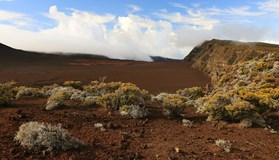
{"x":134,"y":29}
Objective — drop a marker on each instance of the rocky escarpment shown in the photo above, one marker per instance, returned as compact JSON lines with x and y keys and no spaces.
{"x":216,"y":56}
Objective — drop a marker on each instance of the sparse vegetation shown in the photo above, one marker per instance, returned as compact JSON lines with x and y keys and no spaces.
{"x":40,"y":136}
{"x":225,"y":145}
{"x":134,"y":111}
{"x":192,"y":93}
{"x":126,"y":94}
{"x":6,"y":94}
{"x":174,"y":104}
{"x":74,"y":84}
{"x":241,"y":95}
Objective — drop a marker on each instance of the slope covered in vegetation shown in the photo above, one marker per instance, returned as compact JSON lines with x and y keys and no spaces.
{"x":245,"y":78}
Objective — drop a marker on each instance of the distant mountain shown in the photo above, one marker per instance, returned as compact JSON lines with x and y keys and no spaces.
{"x":162,"y":59}
{"x":9,"y":54}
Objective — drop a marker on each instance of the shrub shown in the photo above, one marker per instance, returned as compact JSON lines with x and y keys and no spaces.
{"x":5,"y":97}
{"x":56,"y":100}
{"x":89,"y":101}
{"x":99,"y":89}
{"x":160,"y":97}
{"x":35,"y":135}
{"x":109,"y":101}
{"x":8,"y":85}
{"x":26,"y":91}
{"x":74,"y":84}
{"x":192,"y":93}
{"x":134,"y":111}
{"x":126,"y":94}
{"x":174,"y":104}
{"x":225,"y":145}
{"x":236,"y":105}
{"x":214,"y":106}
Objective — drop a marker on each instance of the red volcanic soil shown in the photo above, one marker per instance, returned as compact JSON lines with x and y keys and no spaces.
{"x":153,"y":138}
{"x":155,"y":77}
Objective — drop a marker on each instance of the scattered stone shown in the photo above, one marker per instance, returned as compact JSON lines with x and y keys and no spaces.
{"x":273,"y":131}
{"x":98,"y":125}
{"x":177,"y":150}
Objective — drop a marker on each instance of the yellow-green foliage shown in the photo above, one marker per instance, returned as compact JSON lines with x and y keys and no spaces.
{"x":246,"y":90}
{"x":126,"y":94}
{"x":6,"y":95}
{"x":174,"y":104}
{"x":261,"y":65}
{"x":99,"y":89}
{"x":192,"y":93}
{"x":236,"y":105}
{"x":265,"y":98}
{"x":214,"y":106}
{"x":74,"y":84}
{"x":58,"y":96}
{"x":240,"y":110}
{"x":110,"y":101}
{"x":8,"y":85}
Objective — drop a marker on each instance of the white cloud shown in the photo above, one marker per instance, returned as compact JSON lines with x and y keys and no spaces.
{"x":134,"y":8}
{"x":7,"y":15}
{"x":6,"y":0}
{"x":192,"y":19}
{"x":270,"y":6}
{"x":214,"y":11}
{"x":132,"y":37}
{"x":127,"y":37}
{"x":236,"y":11}
{"x":15,"y":18}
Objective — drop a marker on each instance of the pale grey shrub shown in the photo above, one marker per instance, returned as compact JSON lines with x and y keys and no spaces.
{"x":134,"y":111}
{"x":160,"y":97}
{"x":226,"y":145}
{"x":35,"y":135}
{"x":29,"y":92}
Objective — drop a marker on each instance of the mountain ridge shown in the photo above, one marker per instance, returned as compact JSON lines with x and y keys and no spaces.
{"x":215,"y":56}
{"x":10,"y":54}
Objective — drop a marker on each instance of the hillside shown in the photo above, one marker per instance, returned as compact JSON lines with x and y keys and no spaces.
{"x":215,"y":56}
{"x":244,"y":77}
{"x":10,"y":56}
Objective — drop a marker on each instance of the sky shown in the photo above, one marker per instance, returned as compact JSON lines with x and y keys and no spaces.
{"x":134,"y":29}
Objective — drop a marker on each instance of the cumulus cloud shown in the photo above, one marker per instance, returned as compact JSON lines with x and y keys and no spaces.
{"x":132,"y":37}
{"x":128,"y":37}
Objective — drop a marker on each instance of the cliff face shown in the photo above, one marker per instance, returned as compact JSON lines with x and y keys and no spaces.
{"x":216,"y":56}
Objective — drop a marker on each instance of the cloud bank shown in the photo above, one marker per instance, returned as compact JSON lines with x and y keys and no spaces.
{"x":133,"y":37}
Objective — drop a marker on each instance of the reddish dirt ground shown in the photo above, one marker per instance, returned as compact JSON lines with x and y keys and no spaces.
{"x":155,"y":77}
{"x":153,"y":138}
